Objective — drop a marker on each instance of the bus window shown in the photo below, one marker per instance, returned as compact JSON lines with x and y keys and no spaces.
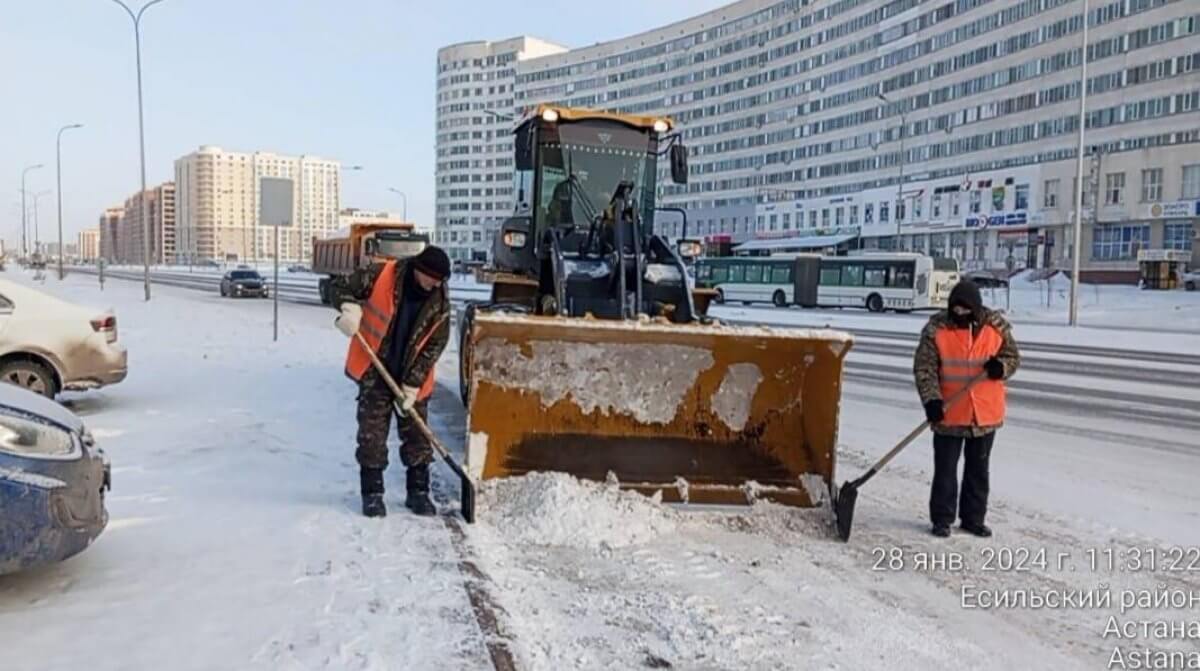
{"x":831,"y":276}
{"x":737,"y":273}
{"x":945,"y":263}
{"x":902,"y":276}
{"x":875,"y":276}
{"x":754,"y":274}
{"x":781,"y":275}
{"x":704,"y":272}
{"x":720,"y":274}
{"x":852,"y":275}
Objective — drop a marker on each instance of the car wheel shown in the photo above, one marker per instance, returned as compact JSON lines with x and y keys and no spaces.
{"x":779,"y":299}
{"x":30,"y":375}
{"x":875,"y":303}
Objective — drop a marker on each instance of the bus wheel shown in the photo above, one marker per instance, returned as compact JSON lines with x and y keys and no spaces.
{"x":779,"y":299}
{"x":720,"y":297}
{"x":875,"y":303}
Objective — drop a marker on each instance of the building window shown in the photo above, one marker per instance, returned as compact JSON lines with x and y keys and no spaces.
{"x":954,"y":207}
{"x":812,"y":218}
{"x":1112,"y":243}
{"x":1114,"y":188}
{"x":825,"y":218}
{"x":883,"y":212}
{"x":976,"y":201}
{"x":853,"y":215}
{"x":917,"y":204}
{"x":868,"y":213}
{"x":839,"y":217}
{"x":1152,"y":183}
{"x":1178,"y":236}
{"x":1191,"y":181}
{"x":787,"y":221}
{"x":1050,"y":194}
{"x":774,"y":221}
{"x":936,"y":207}
{"x":1022,"y":197}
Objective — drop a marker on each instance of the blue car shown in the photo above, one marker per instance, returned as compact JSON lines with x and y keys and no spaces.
{"x":52,"y":482}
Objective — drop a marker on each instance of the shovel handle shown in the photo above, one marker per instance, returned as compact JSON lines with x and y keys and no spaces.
{"x":414,"y":417}
{"x":916,"y":432}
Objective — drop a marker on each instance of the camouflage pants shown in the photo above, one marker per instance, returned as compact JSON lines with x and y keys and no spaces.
{"x":375,"y":420}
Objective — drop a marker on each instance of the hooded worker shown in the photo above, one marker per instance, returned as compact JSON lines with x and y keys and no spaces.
{"x":967,"y":344}
{"x":406,"y":322}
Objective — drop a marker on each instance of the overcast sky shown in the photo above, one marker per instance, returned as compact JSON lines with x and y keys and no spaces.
{"x":351,"y":80}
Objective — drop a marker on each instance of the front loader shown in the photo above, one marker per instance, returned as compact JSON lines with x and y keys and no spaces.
{"x":595,"y":357}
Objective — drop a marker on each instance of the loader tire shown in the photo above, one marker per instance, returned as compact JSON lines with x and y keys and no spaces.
{"x":464,"y":354}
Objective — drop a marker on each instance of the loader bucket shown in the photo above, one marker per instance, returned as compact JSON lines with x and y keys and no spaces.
{"x":702,"y":413}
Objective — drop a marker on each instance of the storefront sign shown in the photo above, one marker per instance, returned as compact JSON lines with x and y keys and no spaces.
{"x":1179,"y":209}
{"x":1018,"y":218}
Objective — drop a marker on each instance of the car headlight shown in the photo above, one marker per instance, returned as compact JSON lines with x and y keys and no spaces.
{"x":30,"y":438}
{"x":514,"y":239}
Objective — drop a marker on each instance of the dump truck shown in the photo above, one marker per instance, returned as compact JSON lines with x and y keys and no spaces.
{"x":595,"y":356}
{"x":359,"y":245}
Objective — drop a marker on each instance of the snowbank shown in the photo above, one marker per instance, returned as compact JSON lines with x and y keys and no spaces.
{"x":558,"y":510}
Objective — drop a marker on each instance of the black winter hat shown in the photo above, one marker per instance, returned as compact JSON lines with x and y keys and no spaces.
{"x":966,"y":293}
{"x":433,"y":262}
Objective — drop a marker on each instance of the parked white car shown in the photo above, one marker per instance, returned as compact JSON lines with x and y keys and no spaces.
{"x":48,"y":345}
{"x":1191,"y":281}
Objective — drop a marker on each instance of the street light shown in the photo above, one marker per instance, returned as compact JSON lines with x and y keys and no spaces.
{"x":1073,"y":314}
{"x":405,"y":197}
{"x":37,"y":242}
{"x":58,"y":171}
{"x":900,"y":186}
{"x":137,"y":42}
{"x":24,"y":215}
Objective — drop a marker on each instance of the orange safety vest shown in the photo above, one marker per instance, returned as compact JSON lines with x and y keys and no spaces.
{"x":377,"y":316}
{"x":963,"y":354}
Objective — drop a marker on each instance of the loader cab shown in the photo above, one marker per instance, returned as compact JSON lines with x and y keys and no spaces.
{"x":569,"y":164}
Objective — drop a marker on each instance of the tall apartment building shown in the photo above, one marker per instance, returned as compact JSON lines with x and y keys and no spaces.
{"x":474,"y":171}
{"x":801,"y":117}
{"x":110,"y":233}
{"x":218,"y":200}
{"x":159,"y":208}
{"x":88,"y":244}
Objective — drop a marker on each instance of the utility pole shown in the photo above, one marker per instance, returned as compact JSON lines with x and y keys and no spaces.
{"x":58,"y":170}
{"x":1073,"y":314}
{"x":24,"y":211}
{"x":137,"y":41}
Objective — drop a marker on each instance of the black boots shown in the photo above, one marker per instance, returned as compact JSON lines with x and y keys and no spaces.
{"x":941,"y":531}
{"x":981,"y":530}
{"x":418,"y":490}
{"x":371,"y":481}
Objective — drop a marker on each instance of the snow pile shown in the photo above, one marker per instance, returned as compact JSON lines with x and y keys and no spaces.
{"x":558,"y":510}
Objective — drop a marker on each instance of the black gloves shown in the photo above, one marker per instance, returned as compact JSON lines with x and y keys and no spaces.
{"x":994,"y":368}
{"x":934,"y":412}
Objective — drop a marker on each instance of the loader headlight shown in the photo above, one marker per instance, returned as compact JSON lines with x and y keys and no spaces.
{"x":514,"y":239}
{"x":661,"y":126}
{"x":690,"y":249}
{"x":25,"y":437}
{"x":550,"y":115}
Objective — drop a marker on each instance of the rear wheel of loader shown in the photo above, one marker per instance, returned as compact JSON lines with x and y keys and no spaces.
{"x":464,"y":353}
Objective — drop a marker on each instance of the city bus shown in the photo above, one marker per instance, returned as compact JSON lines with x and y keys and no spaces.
{"x":877,"y":282}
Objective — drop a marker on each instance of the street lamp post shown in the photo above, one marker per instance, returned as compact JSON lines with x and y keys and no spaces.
{"x":1073,"y":314}
{"x":403,"y":216}
{"x":137,"y":41}
{"x":58,"y":171}
{"x":900,"y":186}
{"x":24,"y":215}
{"x":37,"y":236}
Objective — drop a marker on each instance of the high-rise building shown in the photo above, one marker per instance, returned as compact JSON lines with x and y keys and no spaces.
{"x":474,"y":171}
{"x":89,"y":244}
{"x":110,"y":233}
{"x":217,"y":202}
{"x":947,"y":128}
{"x":159,"y":207}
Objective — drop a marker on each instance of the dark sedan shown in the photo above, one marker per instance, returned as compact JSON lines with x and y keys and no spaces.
{"x":239,"y":283}
{"x":52,"y":482}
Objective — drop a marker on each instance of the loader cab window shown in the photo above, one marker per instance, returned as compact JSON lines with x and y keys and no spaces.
{"x":580,"y":166}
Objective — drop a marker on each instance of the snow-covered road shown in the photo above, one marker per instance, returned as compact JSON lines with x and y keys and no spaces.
{"x":235,"y":540}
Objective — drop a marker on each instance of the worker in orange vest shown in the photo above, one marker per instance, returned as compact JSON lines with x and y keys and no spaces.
{"x":402,"y":310}
{"x":962,"y":343}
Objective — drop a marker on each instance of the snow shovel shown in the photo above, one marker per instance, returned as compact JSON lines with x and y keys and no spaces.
{"x":466,"y":486}
{"x":845,"y":497}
